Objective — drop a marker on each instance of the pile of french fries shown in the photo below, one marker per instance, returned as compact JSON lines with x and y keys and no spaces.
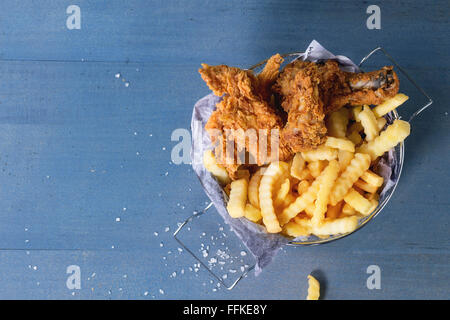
{"x":324,"y":191}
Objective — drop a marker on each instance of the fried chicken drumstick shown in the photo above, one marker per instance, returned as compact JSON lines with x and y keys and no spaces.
{"x":308,"y":91}
{"x":304,"y":91}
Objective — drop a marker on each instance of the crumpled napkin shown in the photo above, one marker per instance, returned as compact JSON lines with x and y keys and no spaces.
{"x":264,"y":246}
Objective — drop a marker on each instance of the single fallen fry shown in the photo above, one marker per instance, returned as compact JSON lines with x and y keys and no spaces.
{"x":313,"y":288}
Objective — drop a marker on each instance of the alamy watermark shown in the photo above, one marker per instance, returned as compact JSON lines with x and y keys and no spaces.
{"x":74,"y":279}
{"x":374,"y":280}
{"x":74,"y":19}
{"x":374,"y":20}
{"x":232,"y":146}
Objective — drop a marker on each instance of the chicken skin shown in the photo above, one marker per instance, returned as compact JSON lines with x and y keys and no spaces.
{"x":244,"y":116}
{"x":308,"y":91}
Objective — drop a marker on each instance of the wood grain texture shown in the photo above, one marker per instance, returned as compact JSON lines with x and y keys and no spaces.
{"x":79,"y":149}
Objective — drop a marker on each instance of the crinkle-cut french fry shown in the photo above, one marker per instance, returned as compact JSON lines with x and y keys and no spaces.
{"x":238,"y":198}
{"x":381,"y":122}
{"x":329,"y":227}
{"x":253,"y":186}
{"x":373,"y":196}
{"x":210,"y":163}
{"x":357,"y":201}
{"x":302,"y":186}
{"x":365,"y":186}
{"x":298,"y":164}
{"x":372,"y":178}
{"x":348,"y":210}
{"x":271,"y":174}
{"x":333,"y":212}
{"x":304,"y":221}
{"x":293,"y":229}
{"x":359,"y":164}
{"x":309,"y":210}
{"x":335,"y":226}
{"x":252,"y":213}
{"x":369,"y":123}
{"x":330,"y":175}
{"x":300,"y":203}
{"x":374,"y":203}
{"x":355,"y":112}
{"x":306,"y":175}
{"x":337,"y":123}
{"x":303,"y":200}
{"x":340,"y":143}
{"x":389,"y":138}
{"x":390,"y":104}
{"x":358,"y":189}
{"x":313,"y":288}
{"x":344,"y":159}
{"x":316,"y":167}
{"x":355,"y":137}
{"x":282,"y":192}
{"x":288,"y":200}
{"x":320,"y":153}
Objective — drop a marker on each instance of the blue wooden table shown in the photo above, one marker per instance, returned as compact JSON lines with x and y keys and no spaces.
{"x":86,"y":117}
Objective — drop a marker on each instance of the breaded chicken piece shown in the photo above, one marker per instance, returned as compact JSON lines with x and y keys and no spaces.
{"x":243,"y":116}
{"x":308,"y":91}
{"x":338,"y":88}
{"x":267,"y":77}
{"x":305,"y":128}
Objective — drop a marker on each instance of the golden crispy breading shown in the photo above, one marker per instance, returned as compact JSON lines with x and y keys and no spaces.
{"x":338,"y":88}
{"x":305,"y":128}
{"x":268,"y":76}
{"x":366,"y":88}
{"x":308,"y":91}
{"x":243,"y":117}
